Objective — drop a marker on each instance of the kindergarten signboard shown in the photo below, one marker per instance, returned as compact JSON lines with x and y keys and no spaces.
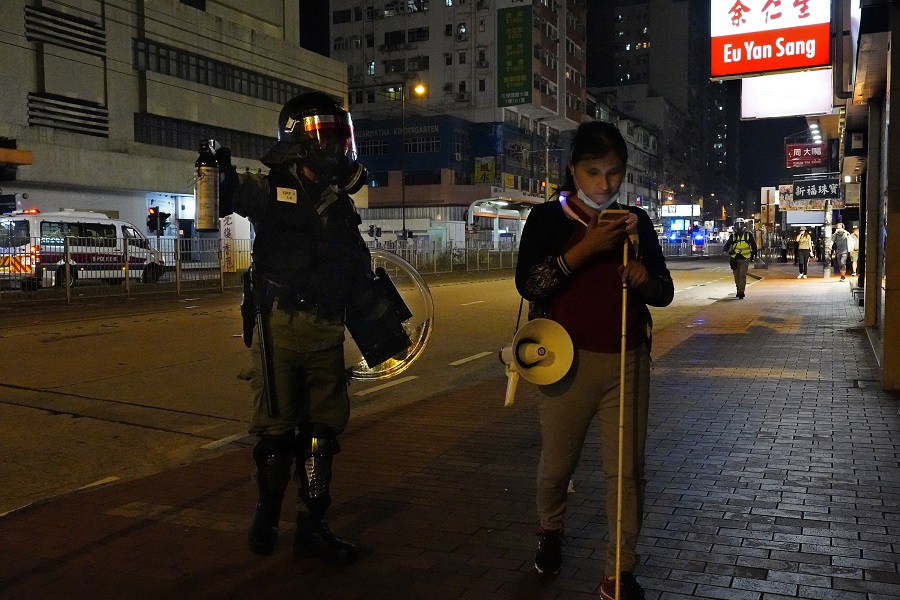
{"x":751,"y":37}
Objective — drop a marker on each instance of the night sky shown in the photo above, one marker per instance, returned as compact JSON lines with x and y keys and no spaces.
{"x":762,"y":150}
{"x":314,"y":30}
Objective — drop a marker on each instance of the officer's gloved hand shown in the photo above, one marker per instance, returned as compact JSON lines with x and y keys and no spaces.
{"x":223,"y":159}
{"x":351,"y":177}
{"x":228,"y":181}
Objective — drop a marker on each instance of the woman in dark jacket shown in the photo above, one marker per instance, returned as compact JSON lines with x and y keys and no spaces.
{"x":570,"y":269}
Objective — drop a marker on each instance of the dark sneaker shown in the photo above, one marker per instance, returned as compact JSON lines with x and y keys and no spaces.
{"x":630,"y":590}
{"x":548,"y":558}
{"x":314,"y":538}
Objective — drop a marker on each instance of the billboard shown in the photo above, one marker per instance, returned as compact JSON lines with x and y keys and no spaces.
{"x":787,"y":95}
{"x":514,"y":56}
{"x":751,"y":37}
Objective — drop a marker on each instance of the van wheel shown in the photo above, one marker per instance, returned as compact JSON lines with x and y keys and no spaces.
{"x":152,"y":273}
{"x":61,"y":276}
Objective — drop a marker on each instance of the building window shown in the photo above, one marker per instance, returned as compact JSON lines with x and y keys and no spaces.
{"x":198,"y":4}
{"x":341,"y":16}
{"x":372,"y":147}
{"x":175,"y":133}
{"x":159,"y":58}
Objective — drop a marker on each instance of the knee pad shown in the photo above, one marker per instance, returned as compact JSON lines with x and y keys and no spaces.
{"x":316,"y":446}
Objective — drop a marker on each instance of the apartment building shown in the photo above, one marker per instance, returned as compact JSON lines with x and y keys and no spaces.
{"x":459,"y":100}
{"x":105,"y":103}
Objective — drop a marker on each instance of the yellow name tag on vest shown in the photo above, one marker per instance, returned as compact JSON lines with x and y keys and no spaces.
{"x":286,"y":195}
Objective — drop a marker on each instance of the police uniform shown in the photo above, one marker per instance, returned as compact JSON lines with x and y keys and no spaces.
{"x":311,"y":267}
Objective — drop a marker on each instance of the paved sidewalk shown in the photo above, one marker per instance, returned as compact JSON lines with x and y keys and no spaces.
{"x":773,"y":468}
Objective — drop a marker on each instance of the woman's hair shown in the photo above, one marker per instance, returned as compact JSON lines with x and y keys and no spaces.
{"x":594,"y":139}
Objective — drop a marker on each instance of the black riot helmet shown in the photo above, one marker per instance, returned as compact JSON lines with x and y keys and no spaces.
{"x":314,"y":130}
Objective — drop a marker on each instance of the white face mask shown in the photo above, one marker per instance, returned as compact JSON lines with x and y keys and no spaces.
{"x":584,"y":198}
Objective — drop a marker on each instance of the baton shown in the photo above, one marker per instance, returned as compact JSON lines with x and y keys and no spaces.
{"x":265,"y":348}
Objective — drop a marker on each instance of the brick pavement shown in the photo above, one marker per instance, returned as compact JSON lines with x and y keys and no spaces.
{"x":773,"y":469}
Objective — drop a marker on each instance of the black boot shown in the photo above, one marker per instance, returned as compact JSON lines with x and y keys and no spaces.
{"x":316,"y":447}
{"x":273,"y":456}
{"x":314,"y":538}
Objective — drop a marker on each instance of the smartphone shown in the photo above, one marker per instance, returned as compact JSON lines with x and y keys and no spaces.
{"x":613,"y":214}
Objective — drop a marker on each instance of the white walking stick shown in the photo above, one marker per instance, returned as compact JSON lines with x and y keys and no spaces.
{"x":621,"y":429}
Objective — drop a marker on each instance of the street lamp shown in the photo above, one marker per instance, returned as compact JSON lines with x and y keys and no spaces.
{"x":418,"y":90}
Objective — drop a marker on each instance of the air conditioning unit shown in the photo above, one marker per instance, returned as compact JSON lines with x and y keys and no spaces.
{"x":448,"y":87}
{"x":462,"y":37}
{"x":462,"y":97}
{"x":457,"y":156}
{"x":483,"y":4}
{"x":483,"y":64}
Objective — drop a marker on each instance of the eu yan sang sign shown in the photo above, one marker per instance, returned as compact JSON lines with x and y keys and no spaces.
{"x":751,"y":37}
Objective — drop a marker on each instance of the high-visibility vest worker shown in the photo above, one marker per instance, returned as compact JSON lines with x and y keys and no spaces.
{"x":740,"y":245}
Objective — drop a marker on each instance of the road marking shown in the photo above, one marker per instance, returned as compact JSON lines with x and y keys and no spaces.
{"x":473,"y":302}
{"x":384,"y":386}
{"x":461,"y":361}
{"x":223,"y":441}
{"x":99,"y":482}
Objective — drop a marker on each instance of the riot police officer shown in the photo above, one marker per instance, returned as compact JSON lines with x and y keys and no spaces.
{"x":311,"y":268}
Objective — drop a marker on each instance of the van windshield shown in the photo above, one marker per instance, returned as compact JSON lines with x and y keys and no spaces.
{"x":14,"y":233}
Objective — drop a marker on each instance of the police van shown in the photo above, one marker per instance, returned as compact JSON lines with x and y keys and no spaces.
{"x":60,"y":248}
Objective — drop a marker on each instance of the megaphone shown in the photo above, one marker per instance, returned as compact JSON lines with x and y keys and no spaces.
{"x":541,"y":352}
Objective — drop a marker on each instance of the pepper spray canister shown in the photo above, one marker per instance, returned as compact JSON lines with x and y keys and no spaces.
{"x":206,"y":188}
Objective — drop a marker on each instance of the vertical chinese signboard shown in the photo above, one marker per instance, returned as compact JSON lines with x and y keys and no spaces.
{"x":749,"y":37}
{"x":514,"y":55}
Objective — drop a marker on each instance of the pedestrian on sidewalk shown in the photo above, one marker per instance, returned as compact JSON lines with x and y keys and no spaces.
{"x":570,"y":270}
{"x":741,"y":247}
{"x":840,"y":250}
{"x":310,"y":264}
{"x":854,"y":251}
{"x":784,"y":249}
{"x":804,"y":250}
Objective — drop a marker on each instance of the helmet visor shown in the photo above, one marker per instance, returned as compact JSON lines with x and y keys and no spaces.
{"x":333,"y":134}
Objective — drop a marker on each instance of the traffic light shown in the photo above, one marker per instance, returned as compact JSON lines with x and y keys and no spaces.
{"x":164,"y":220}
{"x":153,"y":218}
{"x":371,"y":231}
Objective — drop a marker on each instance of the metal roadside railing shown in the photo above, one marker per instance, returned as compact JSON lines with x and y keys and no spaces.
{"x":127,"y":268}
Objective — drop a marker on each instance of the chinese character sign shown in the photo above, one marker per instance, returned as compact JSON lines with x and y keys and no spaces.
{"x":805,"y":155}
{"x":762,"y":36}
{"x":514,"y":55}
{"x":811,"y":194}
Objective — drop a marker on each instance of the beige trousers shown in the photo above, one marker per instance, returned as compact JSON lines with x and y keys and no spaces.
{"x":591,"y":391}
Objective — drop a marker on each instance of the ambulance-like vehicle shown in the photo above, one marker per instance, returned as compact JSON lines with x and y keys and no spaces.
{"x":60,"y":248}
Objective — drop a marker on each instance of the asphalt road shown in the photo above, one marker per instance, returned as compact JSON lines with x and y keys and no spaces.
{"x":108,"y":390}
